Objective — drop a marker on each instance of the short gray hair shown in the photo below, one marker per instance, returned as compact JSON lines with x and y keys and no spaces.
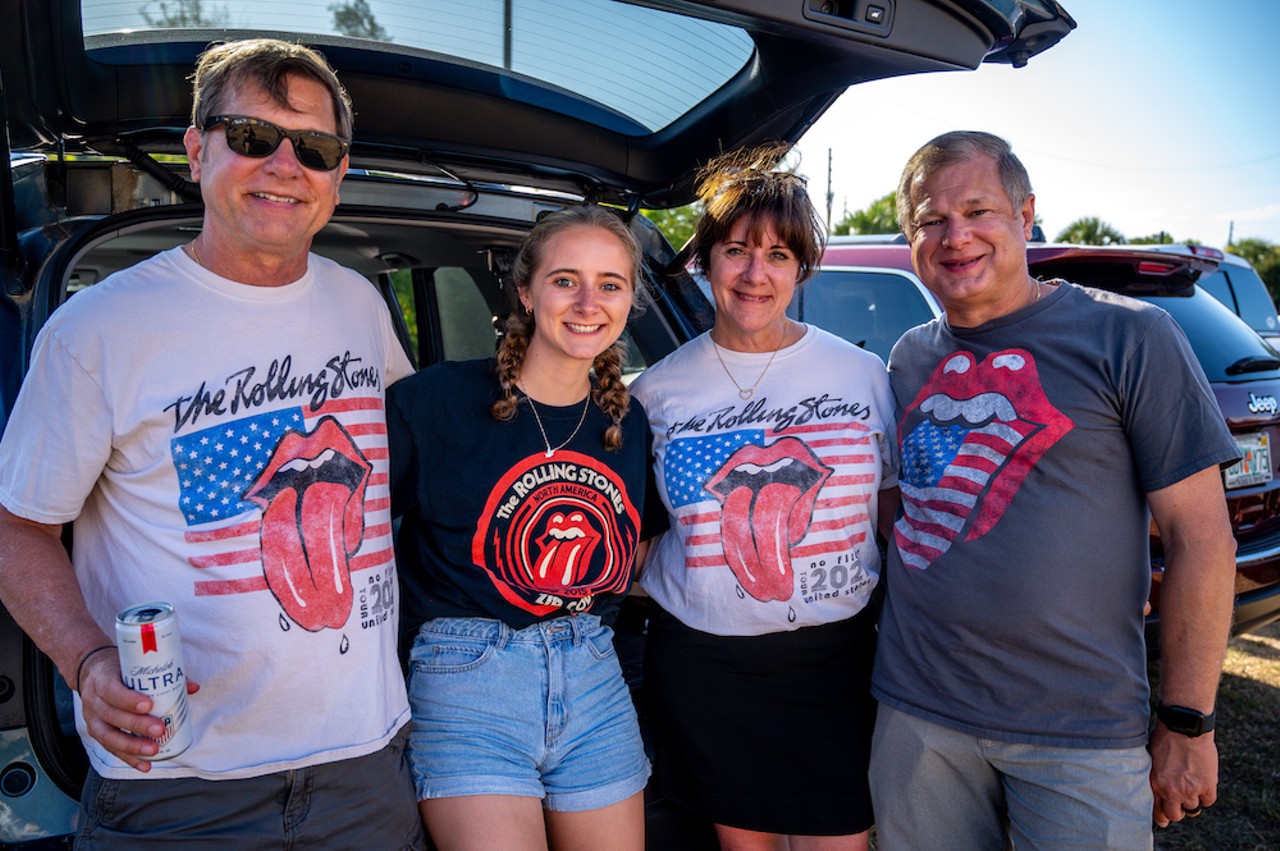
{"x":956,"y":147}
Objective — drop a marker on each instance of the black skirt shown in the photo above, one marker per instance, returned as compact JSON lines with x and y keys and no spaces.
{"x":768,"y":733}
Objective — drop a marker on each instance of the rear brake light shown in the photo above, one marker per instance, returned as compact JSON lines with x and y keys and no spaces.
{"x":1151,"y":267}
{"x":1206,"y":251}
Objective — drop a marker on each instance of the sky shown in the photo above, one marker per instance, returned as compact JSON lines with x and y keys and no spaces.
{"x":1152,"y":115}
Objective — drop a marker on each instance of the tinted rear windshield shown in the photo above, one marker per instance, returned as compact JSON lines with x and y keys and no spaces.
{"x":1241,"y":289}
{"x":646,"y":64}
{"x":1219,"y":337}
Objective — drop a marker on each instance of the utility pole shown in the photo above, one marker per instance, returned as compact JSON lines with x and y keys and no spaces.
{"x":1231,"y":232}
{"x":830,"y":194}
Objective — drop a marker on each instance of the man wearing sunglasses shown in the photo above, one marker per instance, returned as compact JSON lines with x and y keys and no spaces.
{"x":211,"y":420}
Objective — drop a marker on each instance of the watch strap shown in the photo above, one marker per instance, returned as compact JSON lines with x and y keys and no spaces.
{"x":1187,"y":722}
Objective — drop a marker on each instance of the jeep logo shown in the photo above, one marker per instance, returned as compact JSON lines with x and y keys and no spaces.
{"x":1262,"y":404}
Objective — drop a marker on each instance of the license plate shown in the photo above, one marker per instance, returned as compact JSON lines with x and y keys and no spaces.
{"x":1255,"y":467}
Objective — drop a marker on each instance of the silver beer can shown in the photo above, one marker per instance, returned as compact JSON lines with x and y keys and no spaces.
{"x":151,"y":662}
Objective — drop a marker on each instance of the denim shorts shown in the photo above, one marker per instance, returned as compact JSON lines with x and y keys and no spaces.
{"x":539,"y":712}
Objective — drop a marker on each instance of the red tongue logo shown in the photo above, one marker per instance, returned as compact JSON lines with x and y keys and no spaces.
{"x":567,"y":546}
{"x":767,"y":495}
{"x":973,"y":434}
{"x":556,"y":534}
{"x":312,"y":497}
{"x":149,"y":639}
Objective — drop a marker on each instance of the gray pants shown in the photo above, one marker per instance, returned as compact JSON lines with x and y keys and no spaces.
{"x":355,"y":804}
{"x":935,"y":787}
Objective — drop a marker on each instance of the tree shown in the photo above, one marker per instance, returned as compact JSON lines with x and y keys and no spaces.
{"x":880,"y":216}
{"x":676,"y":224}
{"x":1091,"y":230}
{"x":1264,"y":257}
{"x":1257,"y":251}
{"x":184,"y":13}
{"x":354,"y":18}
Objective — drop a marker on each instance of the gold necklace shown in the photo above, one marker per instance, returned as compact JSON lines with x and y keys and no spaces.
{"x":745,"y":393}
{"x":551,"y":451}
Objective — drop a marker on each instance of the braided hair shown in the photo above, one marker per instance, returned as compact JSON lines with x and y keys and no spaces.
{"x":608,"y":390}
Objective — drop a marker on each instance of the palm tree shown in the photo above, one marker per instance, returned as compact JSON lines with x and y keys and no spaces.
{"x":880,"y":216}
{"x":1091,"y":230}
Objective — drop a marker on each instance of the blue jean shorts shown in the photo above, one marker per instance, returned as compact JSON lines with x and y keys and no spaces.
{"x":539,"y":712}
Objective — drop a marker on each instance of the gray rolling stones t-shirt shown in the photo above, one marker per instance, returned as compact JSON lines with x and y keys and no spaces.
{"x":1021,"y":565}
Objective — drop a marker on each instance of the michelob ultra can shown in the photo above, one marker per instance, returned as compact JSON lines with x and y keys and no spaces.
{"x":151,"y":662}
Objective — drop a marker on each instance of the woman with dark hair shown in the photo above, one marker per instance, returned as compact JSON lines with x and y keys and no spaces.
{"x":521,"y":484}
{"x":774,"y":442}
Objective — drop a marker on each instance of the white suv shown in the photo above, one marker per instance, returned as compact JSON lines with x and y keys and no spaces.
{"x":1237,"y":285}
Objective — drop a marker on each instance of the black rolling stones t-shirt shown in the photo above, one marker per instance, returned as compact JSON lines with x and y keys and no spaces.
{"x":491,"y":526}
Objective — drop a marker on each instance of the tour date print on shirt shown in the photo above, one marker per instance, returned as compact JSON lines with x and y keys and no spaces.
{"x":556,"y":532}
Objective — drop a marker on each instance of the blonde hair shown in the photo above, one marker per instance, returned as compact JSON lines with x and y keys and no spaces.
{"x":608,"y":391}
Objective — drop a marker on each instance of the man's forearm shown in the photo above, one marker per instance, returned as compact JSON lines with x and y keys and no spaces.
{"x":1196,"y":598}
{"x":38,"y":587}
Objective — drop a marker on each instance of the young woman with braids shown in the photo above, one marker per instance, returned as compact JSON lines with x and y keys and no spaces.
{"x":521,"y":484}
{"x":774,"y":441}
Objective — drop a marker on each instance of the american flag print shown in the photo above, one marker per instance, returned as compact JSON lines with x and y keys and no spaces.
{"x":281,"y":501}
{"x":969,"y":439}
{"x":764,"y":502}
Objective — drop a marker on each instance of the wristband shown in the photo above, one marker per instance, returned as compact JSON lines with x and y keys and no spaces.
{"x":1187,"y":722}
{"x":85,"y":658}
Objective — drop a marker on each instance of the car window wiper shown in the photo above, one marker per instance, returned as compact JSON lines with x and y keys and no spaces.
{"x":1253,"y":363}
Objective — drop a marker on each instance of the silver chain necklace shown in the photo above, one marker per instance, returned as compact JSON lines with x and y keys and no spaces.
{"x":745,"y":393}
{"x":551,"y":451}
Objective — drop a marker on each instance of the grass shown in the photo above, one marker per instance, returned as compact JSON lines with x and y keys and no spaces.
{"x":1247,"y":815}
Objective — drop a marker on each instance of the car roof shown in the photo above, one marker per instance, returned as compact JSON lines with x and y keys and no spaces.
{"x":617,"y":100}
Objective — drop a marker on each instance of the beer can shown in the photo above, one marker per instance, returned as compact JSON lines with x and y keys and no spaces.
{"x":151,"y":662}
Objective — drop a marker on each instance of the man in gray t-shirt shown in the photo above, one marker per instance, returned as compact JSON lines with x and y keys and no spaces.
{"x":1038,"y":439}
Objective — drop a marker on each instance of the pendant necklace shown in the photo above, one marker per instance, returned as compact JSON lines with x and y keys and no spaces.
{"x":551,"y":451}
{"x":745,"y":393}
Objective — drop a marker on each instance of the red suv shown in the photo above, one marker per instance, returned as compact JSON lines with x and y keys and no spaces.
{"x":867,"y":292}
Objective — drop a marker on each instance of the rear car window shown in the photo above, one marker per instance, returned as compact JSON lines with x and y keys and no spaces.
{"x":1240,"y":289}
{"x":871,"y":308}
{"x":567,"y":50}
{"x":1219,"y":339}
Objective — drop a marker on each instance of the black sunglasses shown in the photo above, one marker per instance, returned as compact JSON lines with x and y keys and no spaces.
{"x":253,"y":137}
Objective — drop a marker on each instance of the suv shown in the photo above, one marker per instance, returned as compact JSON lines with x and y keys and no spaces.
{"x":874,"y":279}
{"x":473,"y":119}
{"x":1237,"y":285}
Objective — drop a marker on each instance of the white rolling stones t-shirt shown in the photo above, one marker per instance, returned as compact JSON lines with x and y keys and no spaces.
{"x":772,"y":499}
{"x":223,"y":447}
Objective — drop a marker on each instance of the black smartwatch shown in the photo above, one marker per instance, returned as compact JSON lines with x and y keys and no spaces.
{"x":1187,"y":722}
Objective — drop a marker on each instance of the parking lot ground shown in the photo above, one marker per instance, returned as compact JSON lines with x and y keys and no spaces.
{"x":1247,"y":815}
